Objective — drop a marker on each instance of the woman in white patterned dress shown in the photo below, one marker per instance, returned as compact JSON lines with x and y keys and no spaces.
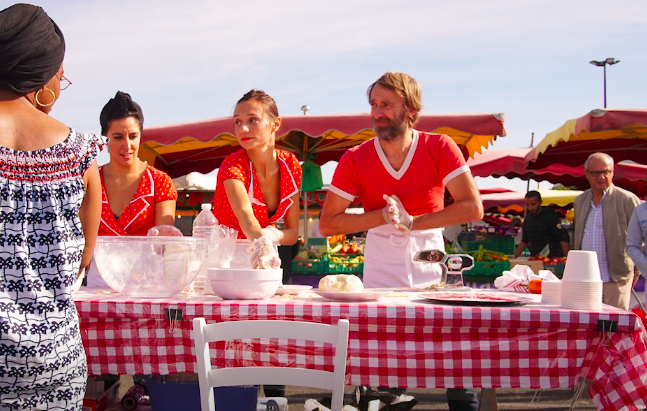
{"x":50,"y":202}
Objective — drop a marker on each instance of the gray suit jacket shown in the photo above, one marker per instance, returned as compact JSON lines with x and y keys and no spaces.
{"x":617,"y":209}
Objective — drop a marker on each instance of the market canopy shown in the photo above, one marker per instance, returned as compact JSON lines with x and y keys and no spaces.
{"x":620,"y":133}
{"x":514,"y":202}
{"x":512,"y":164}
{"x":201,"y":146}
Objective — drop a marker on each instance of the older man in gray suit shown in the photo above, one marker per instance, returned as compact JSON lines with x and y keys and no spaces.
{"x":602,"y":216}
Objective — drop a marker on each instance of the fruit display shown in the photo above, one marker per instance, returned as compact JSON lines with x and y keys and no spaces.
{"x":347,"y":247}
{"x":347,"y":261}
{"x":547,"y":260}
{"x":344,"y":257}
{"x":309,"y":253}
{"x":483,"y":255}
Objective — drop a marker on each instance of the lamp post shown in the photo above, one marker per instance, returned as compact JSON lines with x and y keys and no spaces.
{"x":609,"y":61}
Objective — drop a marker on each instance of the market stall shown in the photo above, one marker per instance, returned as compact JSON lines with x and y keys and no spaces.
{"x":402,"y":340}
{"x":620,"y":133}
{"x":201,"y":146}
{"x":513,"y":202}
{"x":512,"y":164}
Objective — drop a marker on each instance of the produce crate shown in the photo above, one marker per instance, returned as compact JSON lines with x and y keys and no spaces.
{"x":338,"y":268}
{"x":499,"y":243}
{"x":557,"y":269}
{"x":487,"y":269}
{"x":310,"y":266}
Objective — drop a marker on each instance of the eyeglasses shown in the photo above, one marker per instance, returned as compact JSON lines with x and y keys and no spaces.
{"x":597,"y":174}
{"x":65,"y":83}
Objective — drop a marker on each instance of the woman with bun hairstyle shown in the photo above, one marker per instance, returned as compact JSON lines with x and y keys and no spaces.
{"x":135,"y":196}
{"x":258,"y":185}
{"x":50,"y":203}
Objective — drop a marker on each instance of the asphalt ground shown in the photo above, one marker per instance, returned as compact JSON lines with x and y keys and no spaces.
{"x":558,"y":399}
{"x":435,"y":399}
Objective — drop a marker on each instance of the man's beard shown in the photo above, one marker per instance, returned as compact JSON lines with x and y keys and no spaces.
{"x":394,"y":128}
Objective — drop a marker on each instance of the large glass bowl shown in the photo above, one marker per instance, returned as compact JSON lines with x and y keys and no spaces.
{"x":149,"y":266}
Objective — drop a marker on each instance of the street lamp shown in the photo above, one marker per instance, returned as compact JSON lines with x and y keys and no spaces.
{"x":610,"y":61}
{"x":305,"y":109}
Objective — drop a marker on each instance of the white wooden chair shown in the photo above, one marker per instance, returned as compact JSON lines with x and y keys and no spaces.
{"x":209,"y":377}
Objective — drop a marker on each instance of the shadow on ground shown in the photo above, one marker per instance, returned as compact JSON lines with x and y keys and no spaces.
{"x":434,"y":399}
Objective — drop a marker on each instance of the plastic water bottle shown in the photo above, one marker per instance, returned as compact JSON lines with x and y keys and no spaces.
{"x":203,"y":226}
{"x":204,"y":223}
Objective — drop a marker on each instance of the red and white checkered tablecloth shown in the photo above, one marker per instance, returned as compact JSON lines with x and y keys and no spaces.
{"x":395,"y":342}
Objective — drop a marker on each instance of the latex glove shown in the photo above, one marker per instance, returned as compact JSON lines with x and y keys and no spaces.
{"x":274,"y":234}
{"x":165,"y":231}
{"x":263,"y":254}
{"x":395,"y":214}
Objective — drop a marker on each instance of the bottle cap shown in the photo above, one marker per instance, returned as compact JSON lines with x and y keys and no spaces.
{"x":206,"y":206}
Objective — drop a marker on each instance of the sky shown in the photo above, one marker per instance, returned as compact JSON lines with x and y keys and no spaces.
{"x":192,"y":60}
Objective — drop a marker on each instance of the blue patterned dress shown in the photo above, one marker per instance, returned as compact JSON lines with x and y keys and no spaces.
{"x":42,"y":362}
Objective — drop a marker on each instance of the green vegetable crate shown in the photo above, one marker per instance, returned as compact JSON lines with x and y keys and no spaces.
{"x":499,"y":243}
{"x":337,"y":268}
{"x":310,"y":266}
{"x":487,"y":269}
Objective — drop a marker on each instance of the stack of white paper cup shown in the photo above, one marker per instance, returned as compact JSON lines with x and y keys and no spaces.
{"x":581,"y":286}
{"x":551,"y":292}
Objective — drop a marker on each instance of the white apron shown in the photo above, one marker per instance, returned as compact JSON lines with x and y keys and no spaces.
{"x":388,"y":258}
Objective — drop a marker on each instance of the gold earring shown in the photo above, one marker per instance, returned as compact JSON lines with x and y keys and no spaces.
{"x":45,"y":105}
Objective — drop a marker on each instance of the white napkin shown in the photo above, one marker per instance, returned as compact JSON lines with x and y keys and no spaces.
{"x":548,"y":275}
{"x":516,"y":279}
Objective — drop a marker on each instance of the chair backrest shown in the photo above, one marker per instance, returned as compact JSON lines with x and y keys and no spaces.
{"x":209,"y":377}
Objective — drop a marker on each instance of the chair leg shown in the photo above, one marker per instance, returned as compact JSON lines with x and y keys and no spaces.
{"x":487,"y":402}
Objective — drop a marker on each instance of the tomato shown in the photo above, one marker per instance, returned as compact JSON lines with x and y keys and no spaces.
{"x":534,"y":286}
{"x":546,"y":260}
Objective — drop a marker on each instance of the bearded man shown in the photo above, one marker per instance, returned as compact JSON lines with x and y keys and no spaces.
{"x":400,"y":177}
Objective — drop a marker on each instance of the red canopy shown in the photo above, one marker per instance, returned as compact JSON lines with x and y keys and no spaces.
{"x":201,"y":146}
{"x":620,"y":133}
{"x":511,"y":164}
{"x":514,"y":202}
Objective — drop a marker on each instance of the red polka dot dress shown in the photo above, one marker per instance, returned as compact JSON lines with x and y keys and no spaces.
{"x":238,"y":166}
{"x":139,"y":216}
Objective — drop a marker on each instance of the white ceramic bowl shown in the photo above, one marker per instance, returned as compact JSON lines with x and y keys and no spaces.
{"x":154,"y":267}
{"x":245,"y":283}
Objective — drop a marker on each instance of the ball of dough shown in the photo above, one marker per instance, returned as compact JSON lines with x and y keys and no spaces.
{"x":341,"y":283}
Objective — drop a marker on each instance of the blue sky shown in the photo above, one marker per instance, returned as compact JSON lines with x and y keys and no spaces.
{"x":192,"y":60}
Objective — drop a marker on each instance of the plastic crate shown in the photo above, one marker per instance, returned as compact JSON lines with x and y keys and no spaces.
{"x":557,"y":269}
{"x":310,"y":266}
{"x":339,"y":268}
{"x":186,"y":396}
{"x":487,"y":269}
{"x":498,"y":243}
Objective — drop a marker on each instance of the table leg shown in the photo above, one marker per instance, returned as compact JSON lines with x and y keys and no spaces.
{"x":487,"y":402}
{"x":582,"y":387}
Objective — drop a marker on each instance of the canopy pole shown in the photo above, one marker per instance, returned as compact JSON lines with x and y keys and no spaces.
{"x":532,"y":144}
{"x":305,"y":217}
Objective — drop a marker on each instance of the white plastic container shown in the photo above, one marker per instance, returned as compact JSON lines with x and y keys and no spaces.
{"x":582,"y":266}
{"x":203,"y":227}
{"x":204,"y":223}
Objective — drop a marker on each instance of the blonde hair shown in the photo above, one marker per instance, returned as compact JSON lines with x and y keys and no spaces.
{"x":406,"y":87}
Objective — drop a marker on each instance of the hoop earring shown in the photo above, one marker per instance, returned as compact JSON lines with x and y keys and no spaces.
{"x":38,"y":101}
